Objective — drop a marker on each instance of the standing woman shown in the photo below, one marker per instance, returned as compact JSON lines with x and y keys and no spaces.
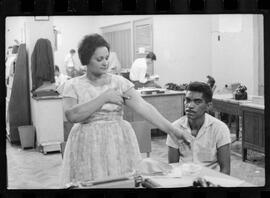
{"x":101,"y":144}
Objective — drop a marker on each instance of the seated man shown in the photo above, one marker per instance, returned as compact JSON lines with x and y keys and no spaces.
{"x":211,"y":144}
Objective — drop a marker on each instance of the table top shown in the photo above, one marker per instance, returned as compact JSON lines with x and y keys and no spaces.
{"x":166,"y":93}
{"x":253,"y":105}
{"x":186,"y":180}
{"x":183,"y":181}
{"x":229,"y":98}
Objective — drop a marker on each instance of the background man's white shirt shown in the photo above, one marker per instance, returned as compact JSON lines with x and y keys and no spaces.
{"x":138,"y":70}
{"x":69,"y":60}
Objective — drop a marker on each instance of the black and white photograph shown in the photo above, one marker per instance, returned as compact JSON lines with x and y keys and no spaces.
{"x":135,"y":101}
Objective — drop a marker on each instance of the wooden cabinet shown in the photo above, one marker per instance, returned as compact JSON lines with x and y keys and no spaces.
{"x":253,"y":132}
{"x":169,"y":104}
{"x":229,"y":106}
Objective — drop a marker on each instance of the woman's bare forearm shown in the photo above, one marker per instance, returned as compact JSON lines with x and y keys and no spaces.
{"x":153,"y":116}
{"x":80,"y":112}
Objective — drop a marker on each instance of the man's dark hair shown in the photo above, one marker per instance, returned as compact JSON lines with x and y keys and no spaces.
{"x":152,"y":56}
{"x":203,"y":88}
{"x":56,"y":68}
{"x":88,"y":46}
{"x":72,"y":51}
{"x":15,"y":49}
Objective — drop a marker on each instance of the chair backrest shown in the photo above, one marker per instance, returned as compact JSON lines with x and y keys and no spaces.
{"x":62,"y":146}
{"x":143,"y":132}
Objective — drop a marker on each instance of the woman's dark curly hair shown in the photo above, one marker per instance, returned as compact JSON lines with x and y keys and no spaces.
{"x":88,"y":45}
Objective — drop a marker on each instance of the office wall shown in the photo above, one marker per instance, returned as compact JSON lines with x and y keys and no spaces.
{"x":14,"y":30}
{"x":182,"y":44}
{"x":233,"y":57}
{"x":72,"y":30}
{"x":183,"y":47}
{"x":186,"y":46}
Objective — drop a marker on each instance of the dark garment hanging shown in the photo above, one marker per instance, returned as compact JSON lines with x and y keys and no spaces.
{"x":42,"y":63}
{"x":19,"y":104}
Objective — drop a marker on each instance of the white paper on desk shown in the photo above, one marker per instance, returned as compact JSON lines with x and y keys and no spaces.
{"x":166,"y":182}
{"x":224,"y":182}
{"x":223,"y":96}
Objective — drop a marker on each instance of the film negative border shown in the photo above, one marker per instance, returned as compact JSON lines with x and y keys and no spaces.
{"x":83,"y":7}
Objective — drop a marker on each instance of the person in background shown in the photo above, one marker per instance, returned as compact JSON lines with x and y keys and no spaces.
{"x":211,"y":82}
{"x":114,"y":64}
{"x":101,"y":144}
{"x":60,"y":78}
{"x":211,"y":137}
{"x":138,"y":72}
{"x":70,"y":64}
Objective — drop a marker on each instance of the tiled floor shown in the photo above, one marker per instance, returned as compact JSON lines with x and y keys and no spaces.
{"x":31,"y":169}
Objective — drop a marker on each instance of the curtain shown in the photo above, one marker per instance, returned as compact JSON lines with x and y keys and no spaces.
{"x":120,"y":42}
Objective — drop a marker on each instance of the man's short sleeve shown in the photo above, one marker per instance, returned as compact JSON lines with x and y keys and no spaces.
{"x":223,"y":136}
{"x":125,"y":84}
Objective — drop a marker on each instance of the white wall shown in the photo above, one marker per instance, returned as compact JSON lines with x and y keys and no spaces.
{"x":182,"y":44}
{"x":72,"y":30}
{"x":186,"y":45}
{"x":14,"y":30}
{"x":233,"y":56}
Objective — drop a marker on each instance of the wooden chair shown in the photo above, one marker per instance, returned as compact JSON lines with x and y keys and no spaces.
{"x":62,"y":146}
{"x":143,"y":132}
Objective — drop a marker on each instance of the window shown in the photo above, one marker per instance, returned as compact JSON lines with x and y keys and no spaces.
{"x":143,"y":39}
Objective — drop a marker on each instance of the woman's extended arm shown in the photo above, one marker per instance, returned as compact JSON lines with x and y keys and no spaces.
{"x":138,"y":104}
{"x":79,"y":112}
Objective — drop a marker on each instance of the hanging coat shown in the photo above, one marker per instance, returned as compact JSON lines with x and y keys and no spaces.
{"x":19,"y":103}
{"x":42,"y":63}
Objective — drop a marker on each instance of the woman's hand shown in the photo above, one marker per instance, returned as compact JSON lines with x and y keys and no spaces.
{"x":113,"y":96}
{"x":182,"y":136}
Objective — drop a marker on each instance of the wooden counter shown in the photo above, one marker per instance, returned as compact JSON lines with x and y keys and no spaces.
{"x":253,"y":132}
{"x":170,"y":104}
{"x":226,"y":104}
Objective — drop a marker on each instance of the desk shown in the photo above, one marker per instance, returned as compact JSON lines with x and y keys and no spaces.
{"x":226,"y":104}
{"x":185,"y":181}
{"x":253,"y":133}
{"x":169,"y":104}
